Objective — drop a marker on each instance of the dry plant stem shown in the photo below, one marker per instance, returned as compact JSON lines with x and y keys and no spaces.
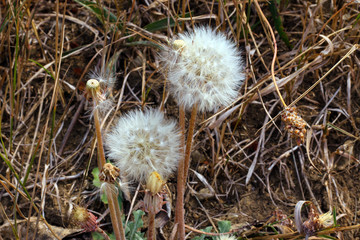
{"x":105,"y":236}
{"x":179,"y":211}
{"x":189,"y":142}
{"x":181,"y":221}
{"x":32,"y":204}
{"x":115,"y":212}
{"x":151,"y":228}
{"x":101,"y":159}
{"x":71,"y":126}
{"x":275,"y":53}
{"x":114,"y":217}
{"x":297,"y":234}
{"x":352,"y":49}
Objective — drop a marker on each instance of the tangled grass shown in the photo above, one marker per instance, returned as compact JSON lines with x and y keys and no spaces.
{"x":244,"y":163}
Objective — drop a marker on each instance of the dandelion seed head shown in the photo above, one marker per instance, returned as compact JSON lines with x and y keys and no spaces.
{"x":204,"y":68}
{"x":141,"y":142}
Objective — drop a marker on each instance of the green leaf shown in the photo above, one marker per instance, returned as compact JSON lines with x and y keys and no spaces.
{"x":163,"y":23}
{"x":52,"y":76}
{"x":131,"y":230}
{"x":31,"y":164}
{"x":101,"y":13}
{"x":96,"y":181}
{"x":8,"y":163}
{"x":224,"y":226}
{"x":356,"y":20}
{"x":120,"y":197}
{"x":98,"y":236}
{"x":202,"y":237}
{"x":328,"y":237}
{"x":334,"y":216}
{"x":103,"y":198}
{"x":144,"y":43}
{"x":278,"y":24}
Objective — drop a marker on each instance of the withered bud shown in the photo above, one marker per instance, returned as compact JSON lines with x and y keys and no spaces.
{"x":109,"y":173}
{"x":313,"y":223}
{"x":84,"y":219}
{"x":155,"y":183}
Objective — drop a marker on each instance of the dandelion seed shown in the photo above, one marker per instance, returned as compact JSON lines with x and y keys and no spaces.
{"x":204,"y":68}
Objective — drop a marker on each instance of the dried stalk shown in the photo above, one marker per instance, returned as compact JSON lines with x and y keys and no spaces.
{"x":151,"y":228}
{"x":113,"y":205}
{"x":179,"y":211}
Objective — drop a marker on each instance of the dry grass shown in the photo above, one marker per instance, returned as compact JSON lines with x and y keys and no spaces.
{"x":244,"y":164}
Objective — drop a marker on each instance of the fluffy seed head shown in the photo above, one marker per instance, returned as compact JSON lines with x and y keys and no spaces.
{"x":204,"y":68}
{"x":142,"y":142}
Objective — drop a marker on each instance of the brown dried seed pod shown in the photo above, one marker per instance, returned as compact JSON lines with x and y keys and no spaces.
{"x":84,"y":219}
{"x":313,"y":223}
{"x":282,"y":218}
{"x":109,"y":173}
{"x":294,"y":124}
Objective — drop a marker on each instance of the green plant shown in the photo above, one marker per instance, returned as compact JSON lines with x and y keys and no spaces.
{"x":224,"y":227}
{"x":132,"y":229}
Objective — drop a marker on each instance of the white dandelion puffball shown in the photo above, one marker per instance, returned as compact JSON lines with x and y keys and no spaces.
{"x":204,"y":68}
{"x":143,"y":142}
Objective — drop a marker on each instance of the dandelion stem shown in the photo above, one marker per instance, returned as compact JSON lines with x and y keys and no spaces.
{"x":101,"y":159}
{"x":181,"y":189}
{"x":151,"y":228}
{"x":115,"y":212}
{"x":179,"y":212}
{"x":114,"y":217}
{"x":189,"y":141}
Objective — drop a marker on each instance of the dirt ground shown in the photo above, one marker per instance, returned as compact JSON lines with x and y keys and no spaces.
{"x":245,"y":167}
